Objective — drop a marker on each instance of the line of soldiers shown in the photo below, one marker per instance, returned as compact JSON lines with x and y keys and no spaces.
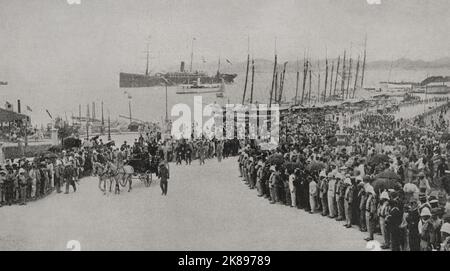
{"x":204,"y":149}
{"x":27,"y":180}
{"x":407,"y":220}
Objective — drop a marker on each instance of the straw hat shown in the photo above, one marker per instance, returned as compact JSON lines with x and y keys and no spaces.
{"x":425,"y":212}
{"x":384,"y":195}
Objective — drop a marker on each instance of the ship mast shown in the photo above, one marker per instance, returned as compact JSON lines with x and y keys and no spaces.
{"x":364,"y":63}
{"x":273,"y":75}
{"x":246,"y":73}
{"x":337,"y":74}
{"x":148,"y":55}
{"x":343,"y":77}
{"x":331,"y":79}
{"x":326,"y":77}
{"x":253,"y":79}
{"x":282,"y":82}
{"x":305,"y":73}
{"x":356,"y":76}
{"x":296,"y":85}
{"x":192,"y":53}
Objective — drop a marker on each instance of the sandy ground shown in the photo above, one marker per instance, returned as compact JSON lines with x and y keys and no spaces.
{"x":207,"y":208}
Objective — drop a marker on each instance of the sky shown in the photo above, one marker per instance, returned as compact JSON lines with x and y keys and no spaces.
{"x":51,"y":44}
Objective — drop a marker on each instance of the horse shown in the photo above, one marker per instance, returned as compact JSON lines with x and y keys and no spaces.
{"x":107,"y":172}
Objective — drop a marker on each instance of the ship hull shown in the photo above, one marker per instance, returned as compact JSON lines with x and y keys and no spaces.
{"x":130,"y":80}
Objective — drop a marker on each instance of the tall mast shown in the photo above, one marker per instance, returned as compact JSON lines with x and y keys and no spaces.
{"x":246,"y":78}
{"x":343,"y":77}
{"x":310,"y":87}
{"x":337,"y":75}
{"x":148,"y":55}
{"x":356,"y":76}
{"x":282,"y":82}
{"x":79,"y":114}
{"x":364,"y":63}
{"x":276,"y":87}
{"x":305,"y":74}
{"x":93,"y":111}
{"x":326,"y":79}
{"x":296,"y":85}
{"x":253,"y":79}
{"x":331,"y":81}
{"x":318,"y":81}
{"x":349,"y":77}
{"x":192,"y":53}
{"x":273,"y":75}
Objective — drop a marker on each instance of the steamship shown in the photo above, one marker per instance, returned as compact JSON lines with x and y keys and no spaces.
{"x":181,"y":77}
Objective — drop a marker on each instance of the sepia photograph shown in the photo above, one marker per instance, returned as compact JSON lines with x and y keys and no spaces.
{"x":224,"y":125}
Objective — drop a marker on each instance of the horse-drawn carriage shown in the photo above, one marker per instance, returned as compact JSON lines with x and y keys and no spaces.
{"x":140,"y":166}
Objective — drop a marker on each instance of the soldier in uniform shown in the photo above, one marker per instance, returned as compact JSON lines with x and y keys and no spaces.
{"x":348,"y":202}
{"x":331,"y":195}
{"x":339,"y":196}
{"x":164,"y":177}
{"x":272,"y":183}
{"x":2,"y":186}
{"x":371,"y":212}
{"x":324,"y":194}
{"x":69,"y":176}
{"x":362,"y":207}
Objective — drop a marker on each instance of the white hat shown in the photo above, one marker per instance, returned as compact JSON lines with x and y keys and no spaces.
{"x":445,"y":228}
{"x":425,"y":212}
{"x":322,"y":174}
{"x":384,"y":195}
{"x":369,"y":189}
{"x":359,"y":178}
{"x":272,"y":168}
{"x":348,"y":181}
{"x":330,"y":175}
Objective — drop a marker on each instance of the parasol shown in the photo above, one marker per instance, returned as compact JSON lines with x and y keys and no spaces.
{"x":378,"y":159}
{"x":386,"y":180}
{"x":315,"y":166}
{"x":291,"y":166}
{"x":275,"y":159}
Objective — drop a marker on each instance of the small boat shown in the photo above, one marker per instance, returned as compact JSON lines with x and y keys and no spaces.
{"x":199,"y":88}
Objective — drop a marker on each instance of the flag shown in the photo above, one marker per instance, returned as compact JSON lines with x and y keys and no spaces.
{"x":3,"y":83}
{"x":229,"y":62}
{"x":50,"y":115}
{"x":29,"y":109}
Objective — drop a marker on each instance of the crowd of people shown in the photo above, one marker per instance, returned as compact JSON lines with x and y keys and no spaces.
{"x":381,"y":177}
{"x":23,"y":180}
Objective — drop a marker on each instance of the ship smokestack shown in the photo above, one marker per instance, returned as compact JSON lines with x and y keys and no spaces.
{"x":182,"y":66}
{"x":18,"y":107}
